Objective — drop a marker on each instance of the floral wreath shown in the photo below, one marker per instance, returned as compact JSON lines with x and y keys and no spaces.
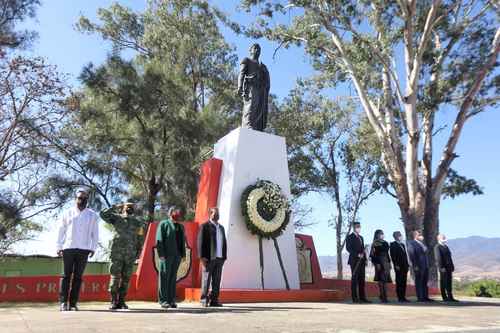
{"x":265,"y":209}
{"x":267,"y":213}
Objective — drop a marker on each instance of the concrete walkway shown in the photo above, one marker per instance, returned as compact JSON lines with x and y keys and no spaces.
{"x":471,"y":315}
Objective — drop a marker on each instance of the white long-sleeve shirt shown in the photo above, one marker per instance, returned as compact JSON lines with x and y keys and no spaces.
{"x":218,"y":240}
{"x":78,"y":230}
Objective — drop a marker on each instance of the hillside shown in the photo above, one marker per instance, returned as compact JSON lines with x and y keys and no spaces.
{"x":475,"y":258}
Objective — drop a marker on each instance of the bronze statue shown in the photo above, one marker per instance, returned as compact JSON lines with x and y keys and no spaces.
{"x":253,"y":86}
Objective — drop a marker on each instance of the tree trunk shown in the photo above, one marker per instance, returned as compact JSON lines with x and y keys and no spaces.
{"x":431,"y":230}
{"x":153,"y":189}
{"x":340,"y":268}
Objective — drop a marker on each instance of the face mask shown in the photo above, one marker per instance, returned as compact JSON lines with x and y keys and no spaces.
{"x":82,"y":202}
{"x":176,"y":216}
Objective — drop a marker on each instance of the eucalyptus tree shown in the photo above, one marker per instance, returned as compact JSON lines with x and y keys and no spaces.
{"x":406,"y":60}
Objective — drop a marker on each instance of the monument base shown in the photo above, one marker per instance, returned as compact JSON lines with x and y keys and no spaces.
{"x":248,"y":156}
{"x":269,"y":296}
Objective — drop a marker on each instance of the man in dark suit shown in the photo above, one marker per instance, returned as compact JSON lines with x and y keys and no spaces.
{"x":357,"y":260}
{"x":417,"y":253}
{"x":445,"y":266}
{"x":399,"y":259}
{"x":212,"y":247}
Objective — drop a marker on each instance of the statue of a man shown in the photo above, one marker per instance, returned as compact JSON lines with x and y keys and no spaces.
{"x":253,"y":86}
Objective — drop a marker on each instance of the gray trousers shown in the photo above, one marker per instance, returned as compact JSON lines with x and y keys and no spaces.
{"x":211,"y":275}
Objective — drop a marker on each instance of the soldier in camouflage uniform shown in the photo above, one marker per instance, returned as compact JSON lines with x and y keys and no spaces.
{"x":125,"y":246}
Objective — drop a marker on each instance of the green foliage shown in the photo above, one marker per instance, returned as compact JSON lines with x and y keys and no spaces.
{"x":159,"y":113}
{"x":13,"y":12}
{"x":14,"y":228}
{"x":456,"y":185}
{"x":481,"y":288}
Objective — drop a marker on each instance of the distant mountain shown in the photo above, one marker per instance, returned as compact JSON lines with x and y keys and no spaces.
{"x":475,"y":258}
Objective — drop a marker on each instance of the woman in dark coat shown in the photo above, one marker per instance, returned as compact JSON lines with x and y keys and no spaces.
{"x":379,"y":256}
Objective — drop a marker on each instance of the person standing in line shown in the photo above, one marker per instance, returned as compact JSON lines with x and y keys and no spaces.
{"x":445,"y":266}
{"x":170,"y":239}
{"x":399,"y":258}
{"x":379,"y":256}
{"x":417,"y":253}
{"x":212,"y":248}
{"x":355,"y":245}
{"x":77,"y":240}
{"x":125,"y":245}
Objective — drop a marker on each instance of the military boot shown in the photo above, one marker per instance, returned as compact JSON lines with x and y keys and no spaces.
{"x":114,"y":303}
{"x":121,"y":303}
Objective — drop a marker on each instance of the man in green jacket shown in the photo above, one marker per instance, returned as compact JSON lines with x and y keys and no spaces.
{"x":170,"y":240}
{"x":125,"y":245}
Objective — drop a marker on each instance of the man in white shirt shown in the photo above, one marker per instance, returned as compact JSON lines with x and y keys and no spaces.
{"x":76,"y":242}
{"x":212,"y":248}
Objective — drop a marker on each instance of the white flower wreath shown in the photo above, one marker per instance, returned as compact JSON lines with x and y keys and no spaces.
{"x":257,"y":220}
{"x":266,"y":209}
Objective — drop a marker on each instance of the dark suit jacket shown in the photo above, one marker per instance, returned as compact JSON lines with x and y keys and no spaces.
{"x":355,"y":245}
{"x":207,"y":241}
{"x":417,"y":255}
{"x":442,"y":254}
{"x":399,"y":256}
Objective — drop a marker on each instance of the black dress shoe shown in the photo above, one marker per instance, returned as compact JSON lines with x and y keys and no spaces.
{"x":73,"y":308}
{"x":453,"y":300}
{"x":430,"y":300}
{"x":404,"y":300}
{"x":215,"y":304}
{"x":365,"y":301}
{"x":173,"y":305}
{"x":63,"y":307}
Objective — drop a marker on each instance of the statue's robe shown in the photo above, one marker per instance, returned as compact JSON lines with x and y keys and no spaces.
{"x":256,"y":84}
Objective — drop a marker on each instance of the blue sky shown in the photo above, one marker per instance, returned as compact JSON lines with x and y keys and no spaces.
{"x":479,"y":146}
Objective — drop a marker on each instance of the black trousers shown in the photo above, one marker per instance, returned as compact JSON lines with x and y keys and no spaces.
{"x":421,"y":279}
{"x":74,"y":261}
{"x":211,"y":275}
{"x":358,"y":280}
{"x":401,"y":281}
{"x":445,"y":284}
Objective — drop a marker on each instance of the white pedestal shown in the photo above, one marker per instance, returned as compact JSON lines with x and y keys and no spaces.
{"x":248,"y":156}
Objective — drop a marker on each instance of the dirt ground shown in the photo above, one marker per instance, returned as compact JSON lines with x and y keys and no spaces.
{"x":470,"y":315}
